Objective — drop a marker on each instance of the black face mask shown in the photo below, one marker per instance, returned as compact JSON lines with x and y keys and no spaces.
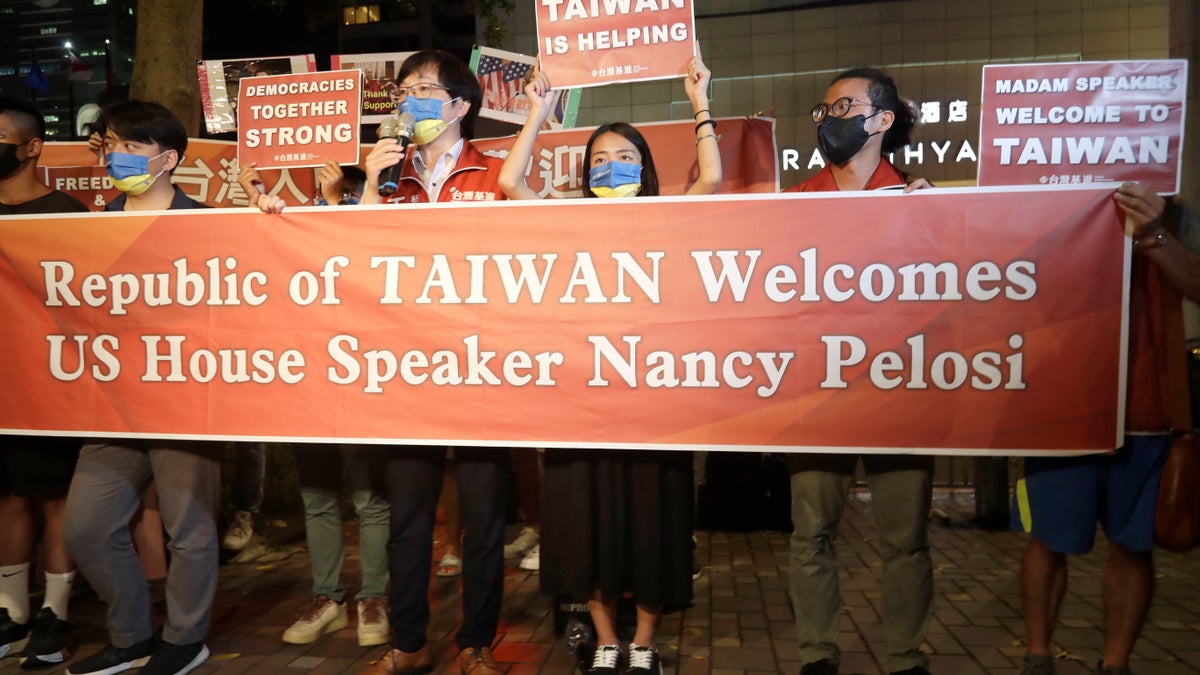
{"x":8,"y":159}
{"x":840,"y":138}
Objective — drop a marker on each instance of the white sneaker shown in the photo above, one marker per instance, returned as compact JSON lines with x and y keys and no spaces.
{"x":323,"y":616}
{"x":373,"y":626}
{"x":241,"y":529}
{"x":532,"y":560}
{"x":524,"y":541}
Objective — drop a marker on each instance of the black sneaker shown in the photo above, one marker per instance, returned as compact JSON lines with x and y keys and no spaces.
{"x":606,"y":660}
{"x":10,"y":631}
{"x":173,"y":659}
{"x":1037,"y":664}
{"x":1112,"y":670}
{"x":643,"y":661}
{"x":113,"y":660}
{"x":49,"y":644}
{"x":822,"y":667}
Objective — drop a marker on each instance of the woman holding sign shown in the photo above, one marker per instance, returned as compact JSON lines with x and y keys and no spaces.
{"x":618,"y":522}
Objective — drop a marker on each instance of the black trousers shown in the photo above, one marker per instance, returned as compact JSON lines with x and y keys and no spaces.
{"x":414,"y":478}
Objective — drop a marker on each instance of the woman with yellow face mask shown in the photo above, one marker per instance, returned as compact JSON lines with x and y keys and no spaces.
{"x":637,"y":534}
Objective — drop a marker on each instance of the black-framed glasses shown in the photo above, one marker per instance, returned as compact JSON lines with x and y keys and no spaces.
{"x":420,"y":90}
{"x":838,"y":108}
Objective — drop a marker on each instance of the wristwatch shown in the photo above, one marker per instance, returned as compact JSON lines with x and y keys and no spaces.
{"x":1151,"y":240}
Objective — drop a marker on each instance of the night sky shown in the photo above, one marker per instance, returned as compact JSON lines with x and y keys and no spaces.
{"x":249,"y":28}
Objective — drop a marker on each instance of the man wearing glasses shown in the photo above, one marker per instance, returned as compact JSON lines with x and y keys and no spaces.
{"x":861,"y":119}
{"x":443,"y":96}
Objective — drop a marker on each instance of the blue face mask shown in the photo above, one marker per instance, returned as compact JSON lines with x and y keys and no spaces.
{"x":428,"y":115}
{"x":131,"y":173}
{"x":615,"y":179}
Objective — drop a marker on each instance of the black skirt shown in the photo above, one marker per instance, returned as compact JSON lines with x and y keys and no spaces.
{"x":619,"y":521}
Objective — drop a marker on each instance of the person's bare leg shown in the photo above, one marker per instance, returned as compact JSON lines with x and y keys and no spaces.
{"x":604,"y":619}
{"x":1043,"y":586}
{"x":647,"y":625}
{"x":16,"y":536}
{"x":57,"y":559}
{"x":1128,"y":589}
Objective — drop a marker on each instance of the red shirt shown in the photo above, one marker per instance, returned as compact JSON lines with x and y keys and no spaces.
{"x":885,"y":177}
{"x":475,"y":177}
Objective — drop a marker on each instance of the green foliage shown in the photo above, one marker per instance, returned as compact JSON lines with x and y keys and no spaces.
{"x":492,"y":12}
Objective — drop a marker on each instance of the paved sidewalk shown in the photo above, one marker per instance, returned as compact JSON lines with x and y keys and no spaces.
{"x":741,"y":621}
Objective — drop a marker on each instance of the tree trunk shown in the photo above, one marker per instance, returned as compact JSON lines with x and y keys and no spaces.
{"x":169,"y":34}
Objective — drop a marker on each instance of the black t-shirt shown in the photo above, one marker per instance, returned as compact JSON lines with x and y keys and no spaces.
{"x":55,"y":202}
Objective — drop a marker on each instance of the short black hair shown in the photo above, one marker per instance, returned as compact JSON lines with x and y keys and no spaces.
{"x":26,"y":117}
{"x":630,"y":132}
{"x":883,"y":93}
{"x":454,"y":75}
{"x":144,"y":122}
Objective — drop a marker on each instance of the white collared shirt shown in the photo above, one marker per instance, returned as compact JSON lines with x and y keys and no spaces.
{"x":432,"y":177}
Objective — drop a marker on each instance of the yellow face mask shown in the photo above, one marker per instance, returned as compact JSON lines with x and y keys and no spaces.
{"x":615,"y":179}
{"x":131,"y":173}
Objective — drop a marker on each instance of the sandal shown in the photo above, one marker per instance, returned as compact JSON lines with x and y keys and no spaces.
{"x":449,"y":566}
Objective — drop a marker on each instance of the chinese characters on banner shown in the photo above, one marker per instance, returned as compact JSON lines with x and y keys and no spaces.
{"x":584,"y":43}
{"x":1090,"y":122}
{"x":641,"y":323}
{"x":209,"y":170}
{"x":300,"y":120}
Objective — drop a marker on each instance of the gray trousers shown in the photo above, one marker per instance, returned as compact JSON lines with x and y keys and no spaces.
{"x":105,"y":492}
{"x":320,"y":466}
{"x":901,"y":491}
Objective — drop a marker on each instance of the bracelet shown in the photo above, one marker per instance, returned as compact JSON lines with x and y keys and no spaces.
{"x":706,"y":136}
{"x":697,"y":113}
{"x":701,"y":123}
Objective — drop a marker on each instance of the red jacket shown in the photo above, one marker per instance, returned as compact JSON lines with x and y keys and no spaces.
{"x":885,"y":176}
{"x":476,"y":177}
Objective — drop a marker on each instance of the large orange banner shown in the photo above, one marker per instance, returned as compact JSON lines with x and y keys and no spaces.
{"x":978,"y":321}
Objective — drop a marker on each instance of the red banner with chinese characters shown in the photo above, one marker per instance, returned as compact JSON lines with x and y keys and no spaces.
{"x":209,"y":170}
{"x":1091,"y":122}
{"x":945,"y":321}
{"x":585,"y":44}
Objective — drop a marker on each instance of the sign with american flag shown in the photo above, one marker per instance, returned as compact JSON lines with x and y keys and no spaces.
{"x":502,"y":76}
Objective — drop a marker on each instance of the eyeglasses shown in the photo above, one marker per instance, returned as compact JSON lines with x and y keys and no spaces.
{"x":838,"y":108}
{"x":420,"y":90}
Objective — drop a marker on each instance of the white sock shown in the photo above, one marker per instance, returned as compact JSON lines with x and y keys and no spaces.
{"x":14,"y":591}
{"x":58,"y":593}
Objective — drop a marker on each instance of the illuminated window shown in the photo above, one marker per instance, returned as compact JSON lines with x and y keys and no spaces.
{"x":357,"y":14}
{"x":99,"y":2}
{"x":49,"y":30}
{"x":7,"y":71}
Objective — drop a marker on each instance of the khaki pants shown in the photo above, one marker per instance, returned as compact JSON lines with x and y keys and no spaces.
{"x":900,"y":493}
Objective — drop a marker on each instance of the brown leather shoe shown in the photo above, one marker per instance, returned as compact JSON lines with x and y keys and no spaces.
{"x":478,"y":661}
{"x":396,"y":662}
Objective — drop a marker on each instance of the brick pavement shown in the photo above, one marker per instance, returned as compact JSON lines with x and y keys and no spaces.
{"x":741,"y":621}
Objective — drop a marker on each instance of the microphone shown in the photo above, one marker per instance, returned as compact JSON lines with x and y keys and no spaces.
{"x":401,"y":129}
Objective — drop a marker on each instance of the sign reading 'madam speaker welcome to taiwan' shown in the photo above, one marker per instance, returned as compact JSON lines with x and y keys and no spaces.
{"x":1088,"y":122}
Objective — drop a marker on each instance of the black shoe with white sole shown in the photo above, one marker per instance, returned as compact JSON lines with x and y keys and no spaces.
{"x":173,"y":659}
{"x":114,"y":659}
{"x":49,"y":642}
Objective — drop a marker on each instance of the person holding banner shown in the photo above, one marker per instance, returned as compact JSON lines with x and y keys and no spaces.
{"x":1059,"y":500}
{"x":616,"y":522}
{"x":861,"y":120}
{"x":144,"y":143}
{"x":443,"y":96}
{"x":35,"y":471}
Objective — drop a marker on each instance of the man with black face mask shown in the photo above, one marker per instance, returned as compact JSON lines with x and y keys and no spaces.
{"x":35,"y":471}
{"x":861,"y":119}
{"x":21,"y":191}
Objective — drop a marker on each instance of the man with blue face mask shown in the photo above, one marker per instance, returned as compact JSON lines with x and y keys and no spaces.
{"x":443,"y":96}
{"x":143,"y":143}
